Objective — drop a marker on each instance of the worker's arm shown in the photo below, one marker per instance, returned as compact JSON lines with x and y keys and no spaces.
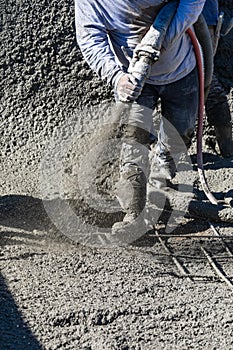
{"x":186,"y":15}
{"x":93,"y":41}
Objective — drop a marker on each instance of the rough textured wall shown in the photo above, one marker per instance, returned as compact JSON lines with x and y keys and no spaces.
{"x":43,"y":79}
{"x":42,"y":69}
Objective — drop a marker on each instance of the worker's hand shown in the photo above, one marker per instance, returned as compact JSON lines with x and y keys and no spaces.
{"x":128,"y":88}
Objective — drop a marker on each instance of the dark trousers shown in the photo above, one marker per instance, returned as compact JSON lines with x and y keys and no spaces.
{"x":217,"y":108}
{"x":179,"y":107}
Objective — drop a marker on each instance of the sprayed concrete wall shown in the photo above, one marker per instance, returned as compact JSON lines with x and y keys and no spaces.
{"x":43,"y":81}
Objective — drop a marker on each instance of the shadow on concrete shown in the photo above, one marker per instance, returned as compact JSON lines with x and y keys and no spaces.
{"x":28,"y":213}
{"x":15,"y":334}
{"x":23,"y":212}
{"x":20,"y":219}
{"x":212,"y":162}
{"x":24,"y":219}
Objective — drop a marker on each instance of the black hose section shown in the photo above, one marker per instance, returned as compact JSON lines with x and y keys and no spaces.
{"x":203,"y":36}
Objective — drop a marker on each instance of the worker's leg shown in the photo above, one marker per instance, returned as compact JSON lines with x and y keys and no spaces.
{"x":179,"y":102}
{"x":218,"y":112}
{"x":134,"y":162}
{"x":218,"y":115}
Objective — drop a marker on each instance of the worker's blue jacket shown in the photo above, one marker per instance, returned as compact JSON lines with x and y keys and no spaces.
{"x":210,"y":12}
{"x":104,"y":27}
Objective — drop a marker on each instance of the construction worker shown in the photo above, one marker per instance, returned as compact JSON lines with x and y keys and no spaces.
{"x":217,"y":107}
{"x":106,"y":30}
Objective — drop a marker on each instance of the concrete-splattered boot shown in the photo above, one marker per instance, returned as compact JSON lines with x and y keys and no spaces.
{"x":131,"y":193}
{"x":224,"y":138}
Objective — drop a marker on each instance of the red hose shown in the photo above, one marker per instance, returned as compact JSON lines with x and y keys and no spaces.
{"x":200,"y":168}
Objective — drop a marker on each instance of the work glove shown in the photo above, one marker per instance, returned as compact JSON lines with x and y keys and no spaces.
{"x":128,"y":88}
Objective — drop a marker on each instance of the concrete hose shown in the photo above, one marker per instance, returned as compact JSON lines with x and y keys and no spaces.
{"x":213,"y":210}
{"x":203,"y":36}
{"x":198,"y":54}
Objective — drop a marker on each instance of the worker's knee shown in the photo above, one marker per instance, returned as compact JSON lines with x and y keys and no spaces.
{"x":218,"y":113}
{"x":136,"y":134}
{"x":216,"y":107}
{"x":131,"y":188}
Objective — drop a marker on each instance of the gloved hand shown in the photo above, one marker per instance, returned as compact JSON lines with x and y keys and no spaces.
{"x":128,"y":88}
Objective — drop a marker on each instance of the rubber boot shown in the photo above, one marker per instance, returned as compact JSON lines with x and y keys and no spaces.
{"x":130,"y":229}
{"x":224,"y":138}
{"x":131,"y":194}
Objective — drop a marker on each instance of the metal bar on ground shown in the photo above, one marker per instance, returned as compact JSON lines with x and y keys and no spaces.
{"x":175,"y":260}
{"x":165,"y":235}
{"x":221,"y":237}
{"x":216,"y":269}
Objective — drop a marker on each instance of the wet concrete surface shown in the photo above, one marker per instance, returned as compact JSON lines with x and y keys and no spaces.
{"x":54,"y":292}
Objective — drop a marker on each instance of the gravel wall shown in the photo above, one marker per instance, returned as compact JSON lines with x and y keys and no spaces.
{"x":44,"y":81}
